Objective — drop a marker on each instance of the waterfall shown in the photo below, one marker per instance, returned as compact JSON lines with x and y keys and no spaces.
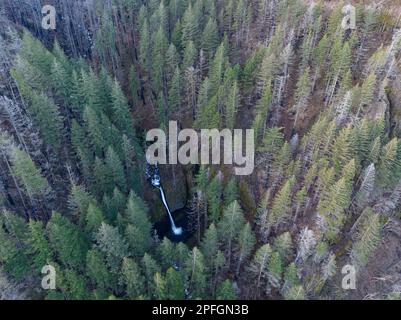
{"x":176,"y":231}
{"x":153,"y":175}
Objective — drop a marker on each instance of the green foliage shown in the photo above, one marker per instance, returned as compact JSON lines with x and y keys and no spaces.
{"x":174,"y":285}
{"x":159,"y":49}
{"x":232,"y":105}
{"x":367,"y":238}
{"x":290,"y":277}
{"x":275,"y":268}
{"x":121,"y":116}
{"x":246,"y":242}
{"x":13,"y":257}
{"x":334,"y":201}
{"x":145,"y":46}
{"x":75,"y":285}
{"x":295,"y":293}
{"x":225,"y":291}
{"x":190,"y":55}
{"x":138,"y":226}
{"x":214,"y":198}
{"x":132,"y":155}
{"x":132,"y":278}
{"x":149,"y":267}
{"x":258,"y":268}
{"x":97,"y":271}
{"x":113,"y":245}
{"x":217,"y":68}
{"x":210,"y":39}
{"x":190,"y":27}
{"x":229,"y":227}
{"x":67,"y":240}
{"x":389,"y":168}
{"x":115,"y":169}
{"x":283,"y":245}
{"x":27,"y":174}
{"x":281,"y":204}
{"x":160,"y":286}
{"x":195,"y":268}
{"x":39,"y":245}
{"x":207,"y":64}
{"x":78,"y":201}
{"x":94,"y":218}
{"x":230,"y":192}
{"x":167,"y":254}
{"x":175,"y":90}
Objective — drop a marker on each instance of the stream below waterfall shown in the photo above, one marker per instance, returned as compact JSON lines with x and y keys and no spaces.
{"x":163,"y":226}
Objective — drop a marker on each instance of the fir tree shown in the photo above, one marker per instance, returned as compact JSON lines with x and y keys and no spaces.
{"x":230,"y":192}
{"x":39,"y":245}
{"x":115,"y":169}
{"x":67,"y":241}
{"x":295,"y":293}
{"x":214,"y":197}
{"x":121,"y":116}
{"x":97,"y":271}
{"x":232,"y":106}
{"x":174,"y":285}
{"x":283,"y":245}
{"x":78,"y":201}
{"x":389,"y":168}
{"x":145,"y":47}
{"x":138,"y":230}
{"x":190,"y":55}
{"x":166,"y":252}
{"x":229,"y":227}
{"x":275,"y":268}
{"x":367,"y":239}
{"x":290,"y":277}
{"x":76,"y":285}
{"x":150,"y":268}
{"x":160,"y":286}
{"x":258,"y":268}
{"x":225,"y":291}
{"x":94,"y":218}
{"x":281,"y":204}
{"x":27,"y":174}
{"x":190,"y":27}
{"x":246,"y":242}
{"x":13,"y":259}
{"x":213,"y":256}
{"x":217,"y":68}
{"x":196,"y":277}
{"x":175,"y":91}
{"x":132,"y":278}
{"x":113,"y":245}
{"x":210,"y":39}
{"x":113,"y":205}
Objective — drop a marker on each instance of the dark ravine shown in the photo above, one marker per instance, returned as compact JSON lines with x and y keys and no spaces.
{"x":163,"y":227}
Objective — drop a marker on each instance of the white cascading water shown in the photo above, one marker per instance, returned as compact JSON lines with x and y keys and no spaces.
{"x":176,"y":231}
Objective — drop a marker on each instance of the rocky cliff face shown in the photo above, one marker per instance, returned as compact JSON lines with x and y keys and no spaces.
{"x":175,"y":185}
{"x":394,"y":98}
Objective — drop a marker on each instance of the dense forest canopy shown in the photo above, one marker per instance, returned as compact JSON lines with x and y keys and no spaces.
{"x":324,"y":102}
